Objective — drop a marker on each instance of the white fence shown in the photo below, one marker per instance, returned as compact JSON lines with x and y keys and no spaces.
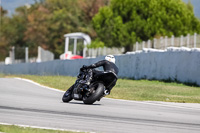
{"x":104,"y":51}
{"x":43,"y":55}
{"x":189,"y":41}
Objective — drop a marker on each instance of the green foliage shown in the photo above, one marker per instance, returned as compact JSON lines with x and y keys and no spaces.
{"x":11,"y":33}
{"x":96,"y":44}
{"x":124,"y":22}
{"x":45,"y":23}
{"x":189,"y":6}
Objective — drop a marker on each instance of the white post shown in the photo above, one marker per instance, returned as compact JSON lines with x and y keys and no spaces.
{"x":143,"y":44}
{"x":195,"y":40}
{"x":90,"y":52}
{"x":154,"y":43}
{"x":66,"y":44}
{"x":98,"y":49}
{"x":104,"y":51}
{"x":172,"y":41}
{"x":148,"y":43}
{"x":12,"y":55}
{"x":13,"y":50}
{"x":93,"y":52}
{"x":188,"y":40}
{"x":84,"y":49}
{"x":26,"y":54}
{"x":75,"y":45}
{"x":136,"y":46}
{"x":165,"y":42}
{"x":161,"y":42}
{"x":181,"y":40}
{"x":39,"y":58}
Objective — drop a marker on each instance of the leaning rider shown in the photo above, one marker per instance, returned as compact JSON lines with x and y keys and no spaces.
{"x":108,"y":65}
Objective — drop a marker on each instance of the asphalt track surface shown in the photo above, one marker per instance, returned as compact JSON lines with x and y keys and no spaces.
{"x":26,"y":103}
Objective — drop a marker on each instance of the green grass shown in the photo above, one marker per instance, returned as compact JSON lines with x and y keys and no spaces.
{"x":2,"y":75}
{"x":58,"y":82}
{"x":141,"y":90}
{"x":17,"y":129}
{"x":155,"y":91}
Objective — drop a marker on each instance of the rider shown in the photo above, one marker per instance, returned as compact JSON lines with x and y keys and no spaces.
{"x":108,"y":65}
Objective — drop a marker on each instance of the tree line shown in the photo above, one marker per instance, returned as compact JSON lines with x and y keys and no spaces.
{"x":111,"y":23}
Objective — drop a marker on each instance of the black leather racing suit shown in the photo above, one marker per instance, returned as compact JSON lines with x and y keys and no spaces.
{"x":107,"y":66}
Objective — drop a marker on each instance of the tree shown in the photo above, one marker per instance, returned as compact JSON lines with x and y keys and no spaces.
{"x":13,"y":31}
{"x":89,"y":9}
{"x":3,"y":49}
{"x":3,"y":12}
{"x":37,"y":28}
{"x":124,"y":22}
{"x":49,"y":20}
{"x":190,"y":6}
{"x":45,"y":22}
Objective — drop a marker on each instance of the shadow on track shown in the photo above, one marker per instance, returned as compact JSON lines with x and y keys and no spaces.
{"x":83,"y":103}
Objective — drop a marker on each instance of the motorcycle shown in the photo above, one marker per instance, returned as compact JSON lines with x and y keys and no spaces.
{"x":92,"y":92}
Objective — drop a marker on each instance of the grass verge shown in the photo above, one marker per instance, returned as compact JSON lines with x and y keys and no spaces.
{"x":140,"y":90}
{"x":17,"y":129}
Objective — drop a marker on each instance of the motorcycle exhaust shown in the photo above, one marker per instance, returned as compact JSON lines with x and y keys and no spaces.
{"x":106,"y":92}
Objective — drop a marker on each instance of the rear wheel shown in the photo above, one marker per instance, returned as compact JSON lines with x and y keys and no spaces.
{"x":96,"y":93}
{"x":67,"y":97}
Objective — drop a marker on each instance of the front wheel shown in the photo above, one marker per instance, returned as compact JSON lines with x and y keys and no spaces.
{"x":67,"y":97}
{"x":97,"y":92}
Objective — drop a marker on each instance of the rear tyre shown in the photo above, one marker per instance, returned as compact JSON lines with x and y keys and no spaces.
{"x":67,"y":97}
{"x":98,"y":89}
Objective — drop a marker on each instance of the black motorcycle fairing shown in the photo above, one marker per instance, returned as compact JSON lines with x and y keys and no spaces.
{"x":95,"y":90}
{"x":108,"y":78}
{"x":77,"y":92}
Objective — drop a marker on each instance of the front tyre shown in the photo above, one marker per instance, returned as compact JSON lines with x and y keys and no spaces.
{"x":67,"y":97}
{"x":97,"y":92}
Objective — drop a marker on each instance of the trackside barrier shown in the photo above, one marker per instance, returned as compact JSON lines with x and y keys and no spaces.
{"x":180,"y":64}
{"x":189,"y":41}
